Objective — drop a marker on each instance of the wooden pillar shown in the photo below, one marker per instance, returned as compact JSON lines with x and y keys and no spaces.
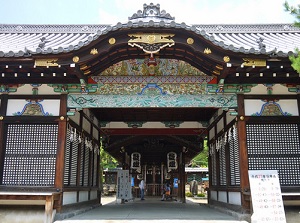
{"x":298,"y":102}
{"x":3,"y":107}
{"x":61,"y":144}
{"x":153,"y":180}
{"x":241,"y":128}
{"x":181,"y":186}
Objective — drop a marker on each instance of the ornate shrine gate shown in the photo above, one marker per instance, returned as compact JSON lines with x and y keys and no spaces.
{"x":149,"y":91}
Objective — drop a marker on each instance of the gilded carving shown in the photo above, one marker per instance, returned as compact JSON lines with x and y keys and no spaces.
{"x":226,"y":59}
{"x":207,"y":51}
{"x":112,"y":41}
{"x":76,"y":59}
{"x":46,"y":62}
{"x":151,"y":43}
{"x":190,"y":41}
{"x":248,"y":62}
{"x":94,"y":51}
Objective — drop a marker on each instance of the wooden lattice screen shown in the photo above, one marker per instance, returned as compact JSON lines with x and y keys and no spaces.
{"x":30,"y":155}
{"x":222,"y":160}
{"x":71,"y":157}
{"x":275,"y":147}
{"x":214,"y":168}
{"x":234,"y":157}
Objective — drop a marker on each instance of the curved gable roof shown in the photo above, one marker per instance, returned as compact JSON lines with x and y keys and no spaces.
{"x":25,"y":40}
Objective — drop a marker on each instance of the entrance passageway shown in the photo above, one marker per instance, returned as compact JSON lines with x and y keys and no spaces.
{"x":153,"y":209}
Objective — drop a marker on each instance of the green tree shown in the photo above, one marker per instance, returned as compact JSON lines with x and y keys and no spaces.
{"x":201,"y":160}
{"x":106,"y":161}
{"x":295,"y":11}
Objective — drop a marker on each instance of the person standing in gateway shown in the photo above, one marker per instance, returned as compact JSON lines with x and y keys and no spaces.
{"x":142,"y":189}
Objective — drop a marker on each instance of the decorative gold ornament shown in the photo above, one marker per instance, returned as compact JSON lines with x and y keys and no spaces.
{"x":226,"y":59}
{"x":207,"y":51}
{"x":242,"y":118}
{"x":112,"y":41}
{"x":190,"y":41}
{"x":46,"y":62}
{"x":249,"y":62}
{"x":216,"y":72}
{"x":83,"y":67}
{"x":1,"y":118}
{"x":76,"y":59}
{"x":151,"y":43}
{"x":61,"y":117}
{"x":219,"y":67}
{"x":94,"y":51}
{"x":87,"y":72}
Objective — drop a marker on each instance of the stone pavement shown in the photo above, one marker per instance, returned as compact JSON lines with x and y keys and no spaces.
{"x":153,"y":209}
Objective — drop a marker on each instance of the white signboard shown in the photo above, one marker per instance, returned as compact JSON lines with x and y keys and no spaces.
{"x":124,"y":185}
{"x":266,"y":197}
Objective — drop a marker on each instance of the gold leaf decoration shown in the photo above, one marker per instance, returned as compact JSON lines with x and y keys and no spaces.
{"x":226,"y":59}
{"x":46,"y":62}
{"x":76,"y":59}
{"x":190,"y":41}
{"x":94,"y":51}
{"x":254,"y":62}
{"x":207,"y":51}
{"x":112,"y":41}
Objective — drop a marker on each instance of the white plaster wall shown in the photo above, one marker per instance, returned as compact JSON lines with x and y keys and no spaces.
{"x":95,"y":133}
{"x":220,"y":125}
{"x":229,"y":117}
{"x":223,"y":196}
{"x":25,"y":215}
{"x":75,"y":118}
{"x":83,"y":196}
{"x":211,"y":133}
{"x":86,"y":125}
{"x":17,"y":105}
{"x":93,"y":195}
{"x":69,"y":197}
{"x":234,"y":198}
{"x":27,"y":89}
{"x":254,"y":105}
{"x":214,"y":195}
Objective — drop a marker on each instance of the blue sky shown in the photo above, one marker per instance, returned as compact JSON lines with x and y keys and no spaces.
{"x":113,"y":11}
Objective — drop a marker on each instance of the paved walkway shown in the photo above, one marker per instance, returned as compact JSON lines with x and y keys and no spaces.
{"x":153,"y":209}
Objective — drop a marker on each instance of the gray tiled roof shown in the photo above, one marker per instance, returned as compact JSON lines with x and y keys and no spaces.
{"x":24,"y":40}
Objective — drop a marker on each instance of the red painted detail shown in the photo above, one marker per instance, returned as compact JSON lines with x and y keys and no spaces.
{"x":213,"y":81}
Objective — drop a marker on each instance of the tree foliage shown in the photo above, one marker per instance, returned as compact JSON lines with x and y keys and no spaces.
{"x":295,"y":11}
{"x":201,"y":160}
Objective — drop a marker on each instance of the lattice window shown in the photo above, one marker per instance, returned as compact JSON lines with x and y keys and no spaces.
{"x":222,"y":160}
{"x":234,"y":157}
{"x":275,"y":147}
{"x":73,"y":167}
{"x":95,"y":169}
{"x":214,"y":168}
{"x":67,"y":159}
{"x":30,"y":155}
{"x":71,"y":157}
{"x":86,"y":167}
{"x":82,"y":159}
